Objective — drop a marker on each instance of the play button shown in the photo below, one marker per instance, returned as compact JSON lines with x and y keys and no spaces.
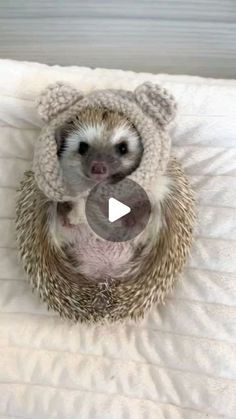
{"x":118,"y":211}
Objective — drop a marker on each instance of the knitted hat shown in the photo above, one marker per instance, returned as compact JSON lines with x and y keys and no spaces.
{"x":149,"y":108}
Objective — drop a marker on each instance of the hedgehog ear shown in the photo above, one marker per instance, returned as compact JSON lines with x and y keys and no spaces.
{"x":156,"y":102}
{"x":56,"y":98}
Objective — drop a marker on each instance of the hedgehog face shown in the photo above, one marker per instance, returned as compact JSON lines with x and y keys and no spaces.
{"x":98,"y":145}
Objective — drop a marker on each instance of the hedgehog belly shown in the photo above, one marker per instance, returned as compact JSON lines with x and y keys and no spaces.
{"x":98,"y":258}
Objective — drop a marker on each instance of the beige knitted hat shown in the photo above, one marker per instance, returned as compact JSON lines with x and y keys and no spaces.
{"x":150,"y":108}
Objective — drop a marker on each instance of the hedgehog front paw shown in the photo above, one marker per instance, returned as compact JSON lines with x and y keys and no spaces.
{"x":77,"y":214}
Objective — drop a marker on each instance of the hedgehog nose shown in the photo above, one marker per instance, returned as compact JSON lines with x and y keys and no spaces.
{"x":98,"y":168}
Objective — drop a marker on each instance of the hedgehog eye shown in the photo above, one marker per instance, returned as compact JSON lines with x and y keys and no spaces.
{"x":122,"y":148}
{"x":83,"y":148}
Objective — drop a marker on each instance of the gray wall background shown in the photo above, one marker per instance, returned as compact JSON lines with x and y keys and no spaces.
{"x":174,"y":36}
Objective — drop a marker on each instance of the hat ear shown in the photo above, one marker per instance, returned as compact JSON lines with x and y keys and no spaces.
{"x":156,"y":102}
{"x":56,"y":98}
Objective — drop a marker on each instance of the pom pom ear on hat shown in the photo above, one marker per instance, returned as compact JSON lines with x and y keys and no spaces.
{"x":56,"y":98}
{"x":156,"y":102}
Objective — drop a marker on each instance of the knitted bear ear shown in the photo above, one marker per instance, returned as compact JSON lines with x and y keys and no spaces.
{"x":55,"y":99}
{"x":157,"y":102}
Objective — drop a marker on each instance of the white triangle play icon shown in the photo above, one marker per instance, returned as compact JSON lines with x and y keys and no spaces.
{"x":116,"y":210}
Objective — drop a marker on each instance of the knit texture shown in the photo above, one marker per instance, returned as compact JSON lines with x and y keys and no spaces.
{"x":150,"y":108}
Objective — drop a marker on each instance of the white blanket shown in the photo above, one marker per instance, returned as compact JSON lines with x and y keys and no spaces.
{"x":180,"y":361}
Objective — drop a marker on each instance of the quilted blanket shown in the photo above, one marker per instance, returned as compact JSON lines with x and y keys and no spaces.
{"x":180,"y":361}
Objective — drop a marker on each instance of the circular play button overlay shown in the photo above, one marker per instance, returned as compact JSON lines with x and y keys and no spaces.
{"x":118,"y":211}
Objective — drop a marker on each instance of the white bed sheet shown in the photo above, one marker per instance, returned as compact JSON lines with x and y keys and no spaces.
{"x":180,"y":361}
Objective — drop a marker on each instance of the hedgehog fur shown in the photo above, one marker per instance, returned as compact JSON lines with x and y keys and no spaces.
{"x":73,"y":296}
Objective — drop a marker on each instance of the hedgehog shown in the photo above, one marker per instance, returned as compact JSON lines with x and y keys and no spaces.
{"x":51,"y":269}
